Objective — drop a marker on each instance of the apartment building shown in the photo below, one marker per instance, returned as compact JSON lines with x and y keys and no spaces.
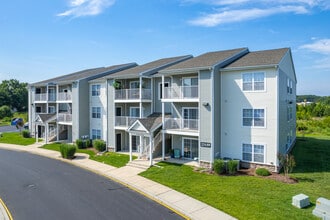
{"x":225,"y":104}
{"x":59,"y":107}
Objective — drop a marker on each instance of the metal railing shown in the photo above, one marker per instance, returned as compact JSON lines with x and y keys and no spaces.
{"x":181,"y":124}
{"x":181,"y":92}
{"x":64,"y":118}
{"x":124,"y":121}
{"x":64,"y":96}
{"x":131,"y":94}
{"x":40,"y":97}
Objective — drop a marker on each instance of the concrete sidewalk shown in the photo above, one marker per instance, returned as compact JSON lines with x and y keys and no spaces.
{"x":180,"y":203}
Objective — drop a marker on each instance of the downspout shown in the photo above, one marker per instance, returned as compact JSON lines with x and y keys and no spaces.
{"x":106,"y":116}
{"x":212,"y":110}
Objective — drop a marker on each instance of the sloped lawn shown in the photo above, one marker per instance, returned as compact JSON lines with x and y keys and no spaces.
{"x":110,"y":158}
{"x":251,"y":197}
{"x":16,"y":138}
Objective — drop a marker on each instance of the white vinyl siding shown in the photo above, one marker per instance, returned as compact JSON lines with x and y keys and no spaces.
{"x":253,"y":81}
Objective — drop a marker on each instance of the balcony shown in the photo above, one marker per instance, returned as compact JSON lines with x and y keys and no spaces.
{"x":132,"y":94}
{"x":40,"y":97}
{"x":181,"y":93}
{"x":64,"y":96}
{"x":65,"y":118}
{"x":124,"y":121}
{"x":181,"y":124}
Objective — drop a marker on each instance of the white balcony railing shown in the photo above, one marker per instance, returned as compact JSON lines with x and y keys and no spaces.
{"x":65,"y":118}
{"x":40,"y":97}
{"x":131,"y":94}
{"x":181,"y":92}
{"x":181,"y":124}
{"x":124,"y":121}
{"x":64,"y":96}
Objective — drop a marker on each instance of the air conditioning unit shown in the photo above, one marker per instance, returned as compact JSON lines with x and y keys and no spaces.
{"x":322,"y":208}
{"x":300,"y":201}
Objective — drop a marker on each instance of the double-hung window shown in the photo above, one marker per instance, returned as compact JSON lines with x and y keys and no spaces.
{"x":96,"y":90}
{"x":254,"y":117}
{"x":253,"y":81}
{"x":96,"y":134}
{"x":253,"y":153}
{"x":96,"y":112}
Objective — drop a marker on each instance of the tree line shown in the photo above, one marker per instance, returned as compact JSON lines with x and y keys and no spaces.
{"x":320,"y":107}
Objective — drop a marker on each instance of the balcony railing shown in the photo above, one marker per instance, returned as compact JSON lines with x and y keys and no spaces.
{"x":64,"y":118}
{"x":181,"y":124}
{"x":131,"y":94}
{"x":124,"y":121}
{"x":181,"y":92}
{"x":64,"y":96}
{"x":40,"y":97}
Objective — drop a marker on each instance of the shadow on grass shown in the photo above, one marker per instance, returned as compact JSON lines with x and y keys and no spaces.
{"x":311,"y":155}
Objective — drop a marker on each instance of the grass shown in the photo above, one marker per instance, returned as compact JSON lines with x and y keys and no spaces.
{"x":16,"y":138}
{"x":249,"y":197}
{"x":7,"y":121}
{"x":110,"y":158}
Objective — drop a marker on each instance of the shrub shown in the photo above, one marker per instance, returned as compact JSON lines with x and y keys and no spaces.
{"x":99,"y":145}
{"x":219,"y":166}
{"x":67,"y":151}
{"x":26,"y":134}
{"x":5,"y":111}
{"x":288,"y":163}
{"x":80,"y":144}
{"x":262,"y":172}
{"x":232,"y":166}
{"x":88,"y":143}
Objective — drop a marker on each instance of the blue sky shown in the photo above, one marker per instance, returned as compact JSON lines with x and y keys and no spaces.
{"x":42,"y":39}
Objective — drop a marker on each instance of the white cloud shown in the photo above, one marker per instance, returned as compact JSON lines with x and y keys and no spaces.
{"x":231,"y":16}
{"x":79,"y":8}
{"x":319,"y":46}
{"x":231,"y":11}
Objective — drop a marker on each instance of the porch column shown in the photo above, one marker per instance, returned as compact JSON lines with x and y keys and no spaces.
{"x":46,"y":133}
{"x":36,"y":133}
{"x":140,"y":91}
{"x":163,"y":120}
{"x":150,"y":149}
{"x":141,"y":146}
{"x":130,"y":146}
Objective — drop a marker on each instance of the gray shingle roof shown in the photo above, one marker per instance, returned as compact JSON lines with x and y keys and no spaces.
{"x":205,"y":60}
{"x":47,"y":117}
{"x":259,"y":58}
{"x":149,"y":68}
{"x":84,"y":74}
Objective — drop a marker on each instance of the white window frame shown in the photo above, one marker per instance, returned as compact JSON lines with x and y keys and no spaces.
{"x":253,"y":121}
{"x":133,"y":82}
{"x":96,"y":134}
{"x":253,"y":82}
{"x":53,"y":109}
{"x":160,"y":88}
{"x":253,"y":152}
{"x":96,"y":90}
{"x":182,"y":147}
{"x":96,"y":112}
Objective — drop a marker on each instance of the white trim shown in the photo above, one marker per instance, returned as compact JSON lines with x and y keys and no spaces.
{"x":130,"y":111}
{"x":135,"y":81}
{"x":254,"y":91}
{"x":252,"y":144}
{"x":257,"y":127}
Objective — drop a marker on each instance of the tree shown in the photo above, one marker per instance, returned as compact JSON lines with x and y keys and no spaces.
{"x":14,"y":94}
{"x":5,"y":112}
{"x":288,"y":163}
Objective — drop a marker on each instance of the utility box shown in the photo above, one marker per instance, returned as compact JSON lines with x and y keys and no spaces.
{"x":300,"y":201}
{"x":322,"y":208}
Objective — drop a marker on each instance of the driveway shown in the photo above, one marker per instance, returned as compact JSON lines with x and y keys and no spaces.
{"x":35,"y":187}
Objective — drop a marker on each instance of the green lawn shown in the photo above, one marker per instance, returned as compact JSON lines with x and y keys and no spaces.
{"x":16,"y":138}
{"x":110,"y":158}
{"x":7,"y":120}
{"x":249,"y":197}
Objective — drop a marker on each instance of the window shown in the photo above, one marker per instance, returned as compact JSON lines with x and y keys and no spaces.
{"x":134,"y":111}
{"x":254,"y":117}
{"x":96,"y":112}
{"x":289,"y":113}
{"x":190,"y":148}
{"x":190,"y":118}
{"x":38,"y":109}
{"x":253,"y":153}
{"x":253,"y":81}
{"x":160,"y":89}
{"x":134,"y":85}
{"x":96,"y":90}
{"x":190,"y":87}
{"x":289,"y":86}
{"x":51,"y":109}
{"x":96,"y":134}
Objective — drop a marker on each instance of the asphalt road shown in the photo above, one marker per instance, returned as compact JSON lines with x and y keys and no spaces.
{"x":8,"y":128}
{"x":35,"y":187}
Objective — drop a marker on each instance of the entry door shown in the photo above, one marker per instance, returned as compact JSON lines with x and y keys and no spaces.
{"x":190,"y":118}
{"x":118,"y":142}
{"x":190,"y":148}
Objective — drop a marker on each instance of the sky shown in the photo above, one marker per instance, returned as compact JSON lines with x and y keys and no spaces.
{"x":43,"y":39}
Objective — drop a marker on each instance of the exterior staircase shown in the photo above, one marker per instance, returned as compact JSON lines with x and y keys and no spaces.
{"x":139,"y":163}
